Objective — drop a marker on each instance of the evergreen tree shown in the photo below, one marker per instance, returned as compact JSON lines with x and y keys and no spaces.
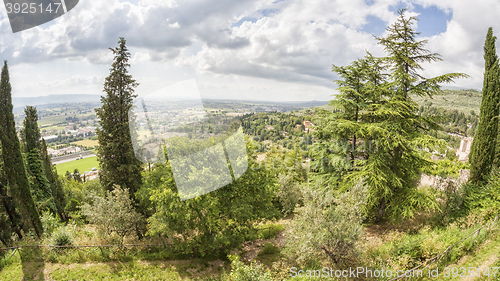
{"x":39,"y":184}
{"x":15,"y":172}
{"x":375,"y":104}
{"x":118,"y":163}
{"x":55,"y":183}
{"x":404,"y":126}
{"x":482,"y":152}
{"x":76,"y":176}
{"x":9,"y":218}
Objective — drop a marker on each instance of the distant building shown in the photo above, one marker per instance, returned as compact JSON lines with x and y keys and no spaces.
{"x":464,"y":149}
{"x":269,"y":127}
{"x":308,"y":126}
{"x":87,"y":130}
{"x":49,"y":138}
{"x":91,"y":175}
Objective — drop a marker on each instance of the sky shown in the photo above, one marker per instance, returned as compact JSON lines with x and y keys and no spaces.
{"x":273,"y":50}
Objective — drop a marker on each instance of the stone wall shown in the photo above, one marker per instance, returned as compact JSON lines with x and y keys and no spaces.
{"x":441,"y":183}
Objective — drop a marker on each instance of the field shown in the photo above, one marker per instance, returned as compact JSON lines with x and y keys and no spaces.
{"x":49,"y":128}
{"x":86,"y":142}
{"x":461,"y":100}
{"x":54,"y":119}
{"x":83,"y":165}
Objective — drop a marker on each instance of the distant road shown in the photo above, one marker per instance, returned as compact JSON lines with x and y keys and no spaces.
{"x":71,"y":157}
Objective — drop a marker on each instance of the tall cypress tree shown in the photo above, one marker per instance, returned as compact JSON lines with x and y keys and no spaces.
{"x":39,"y":184}
{"x":11,"y":221}
{"x":115,"y":152}
{"x":15,"y":172}
{"x":483,"y":147}
{"x":55,"y":183}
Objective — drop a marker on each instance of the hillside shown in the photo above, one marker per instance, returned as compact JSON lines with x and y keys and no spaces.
{"x":462,"y":100}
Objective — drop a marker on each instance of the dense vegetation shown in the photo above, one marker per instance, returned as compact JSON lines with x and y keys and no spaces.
{"x":333,"y":186}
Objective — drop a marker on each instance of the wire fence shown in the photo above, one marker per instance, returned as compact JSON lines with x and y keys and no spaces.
{"x":89,"y":250}
{"x":437,"y":258}
{"x":127,"y":249}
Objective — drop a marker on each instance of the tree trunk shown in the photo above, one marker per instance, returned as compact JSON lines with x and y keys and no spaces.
{"x":381,"y":210}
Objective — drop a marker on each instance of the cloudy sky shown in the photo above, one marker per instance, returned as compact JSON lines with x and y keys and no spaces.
{"x":245,"y":49}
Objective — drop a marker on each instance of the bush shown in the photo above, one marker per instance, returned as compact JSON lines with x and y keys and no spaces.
{"x":288,"y":193}
{"x":243,"y":272}
{"x":62,"y":237}
{"x":50,"y":223}
{"x":269,"y":249}
{"x":113,"y":213}
{"x":327,"y":227}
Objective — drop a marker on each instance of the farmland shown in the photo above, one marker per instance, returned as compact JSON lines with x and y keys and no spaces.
{"x":83,"y":165}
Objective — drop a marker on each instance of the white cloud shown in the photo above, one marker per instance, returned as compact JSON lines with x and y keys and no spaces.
{"x":290,"y":44}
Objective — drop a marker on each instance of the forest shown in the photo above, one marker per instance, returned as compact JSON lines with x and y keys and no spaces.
{"x":330,"y":192}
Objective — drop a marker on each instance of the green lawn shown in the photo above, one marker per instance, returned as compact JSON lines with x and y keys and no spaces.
{"x":83,"y":165}
{"x":132,"y":270}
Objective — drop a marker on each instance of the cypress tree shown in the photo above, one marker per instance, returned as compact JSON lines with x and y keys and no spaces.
{"x":11,"y":222}
{"x":117,"y":160}
{"x":15,"y":172}
{"x":483,"y":147}
{"x":39,"y":184}
{"x":55,"y":183}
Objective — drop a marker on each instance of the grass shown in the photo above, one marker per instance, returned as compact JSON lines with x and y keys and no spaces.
{"x":484,"y":257}
{"x":49,"y":128}
{"x":403,"y":251}
{"x":463,"y":101}
{"x":83,"y":165}
{"x":131,"y":270}
{"x":86,"y":142}
{"x":53,"y":119}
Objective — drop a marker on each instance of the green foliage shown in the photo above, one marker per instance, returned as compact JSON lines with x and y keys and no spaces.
{"x":445,"y":168}
{"x":213,"y":222}
{"x":451,"y":202}
{"x":243,"y":272}
{"x":50,"y":223}
{"x":375,"y":107}
{"x":269,"y":249}
{"x":40,"y":186}
{"x":54,"y":182}
{"x":482,"y":155}
{"x":327,"y":227}
{"x":266,"y":231}
{"x":484,"y":199}
{"x":13,"y":163}
{"x":117,"y":160}
{"x":113,"y":213}
{"x":62,"y":237}
{"x":289,"y":193}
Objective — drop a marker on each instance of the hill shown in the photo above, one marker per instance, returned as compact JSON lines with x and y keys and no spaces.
{"x":462,"y":100}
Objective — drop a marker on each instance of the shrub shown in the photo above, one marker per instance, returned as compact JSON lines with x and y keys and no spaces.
{"x":288,"y":193}
{"x":62,"y":237}
{"x":269,"y":249}
{"x":327,"y":227}
{"x":113,"y":213}
{"x":50,"y":223}
{"x":243,"y":272}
